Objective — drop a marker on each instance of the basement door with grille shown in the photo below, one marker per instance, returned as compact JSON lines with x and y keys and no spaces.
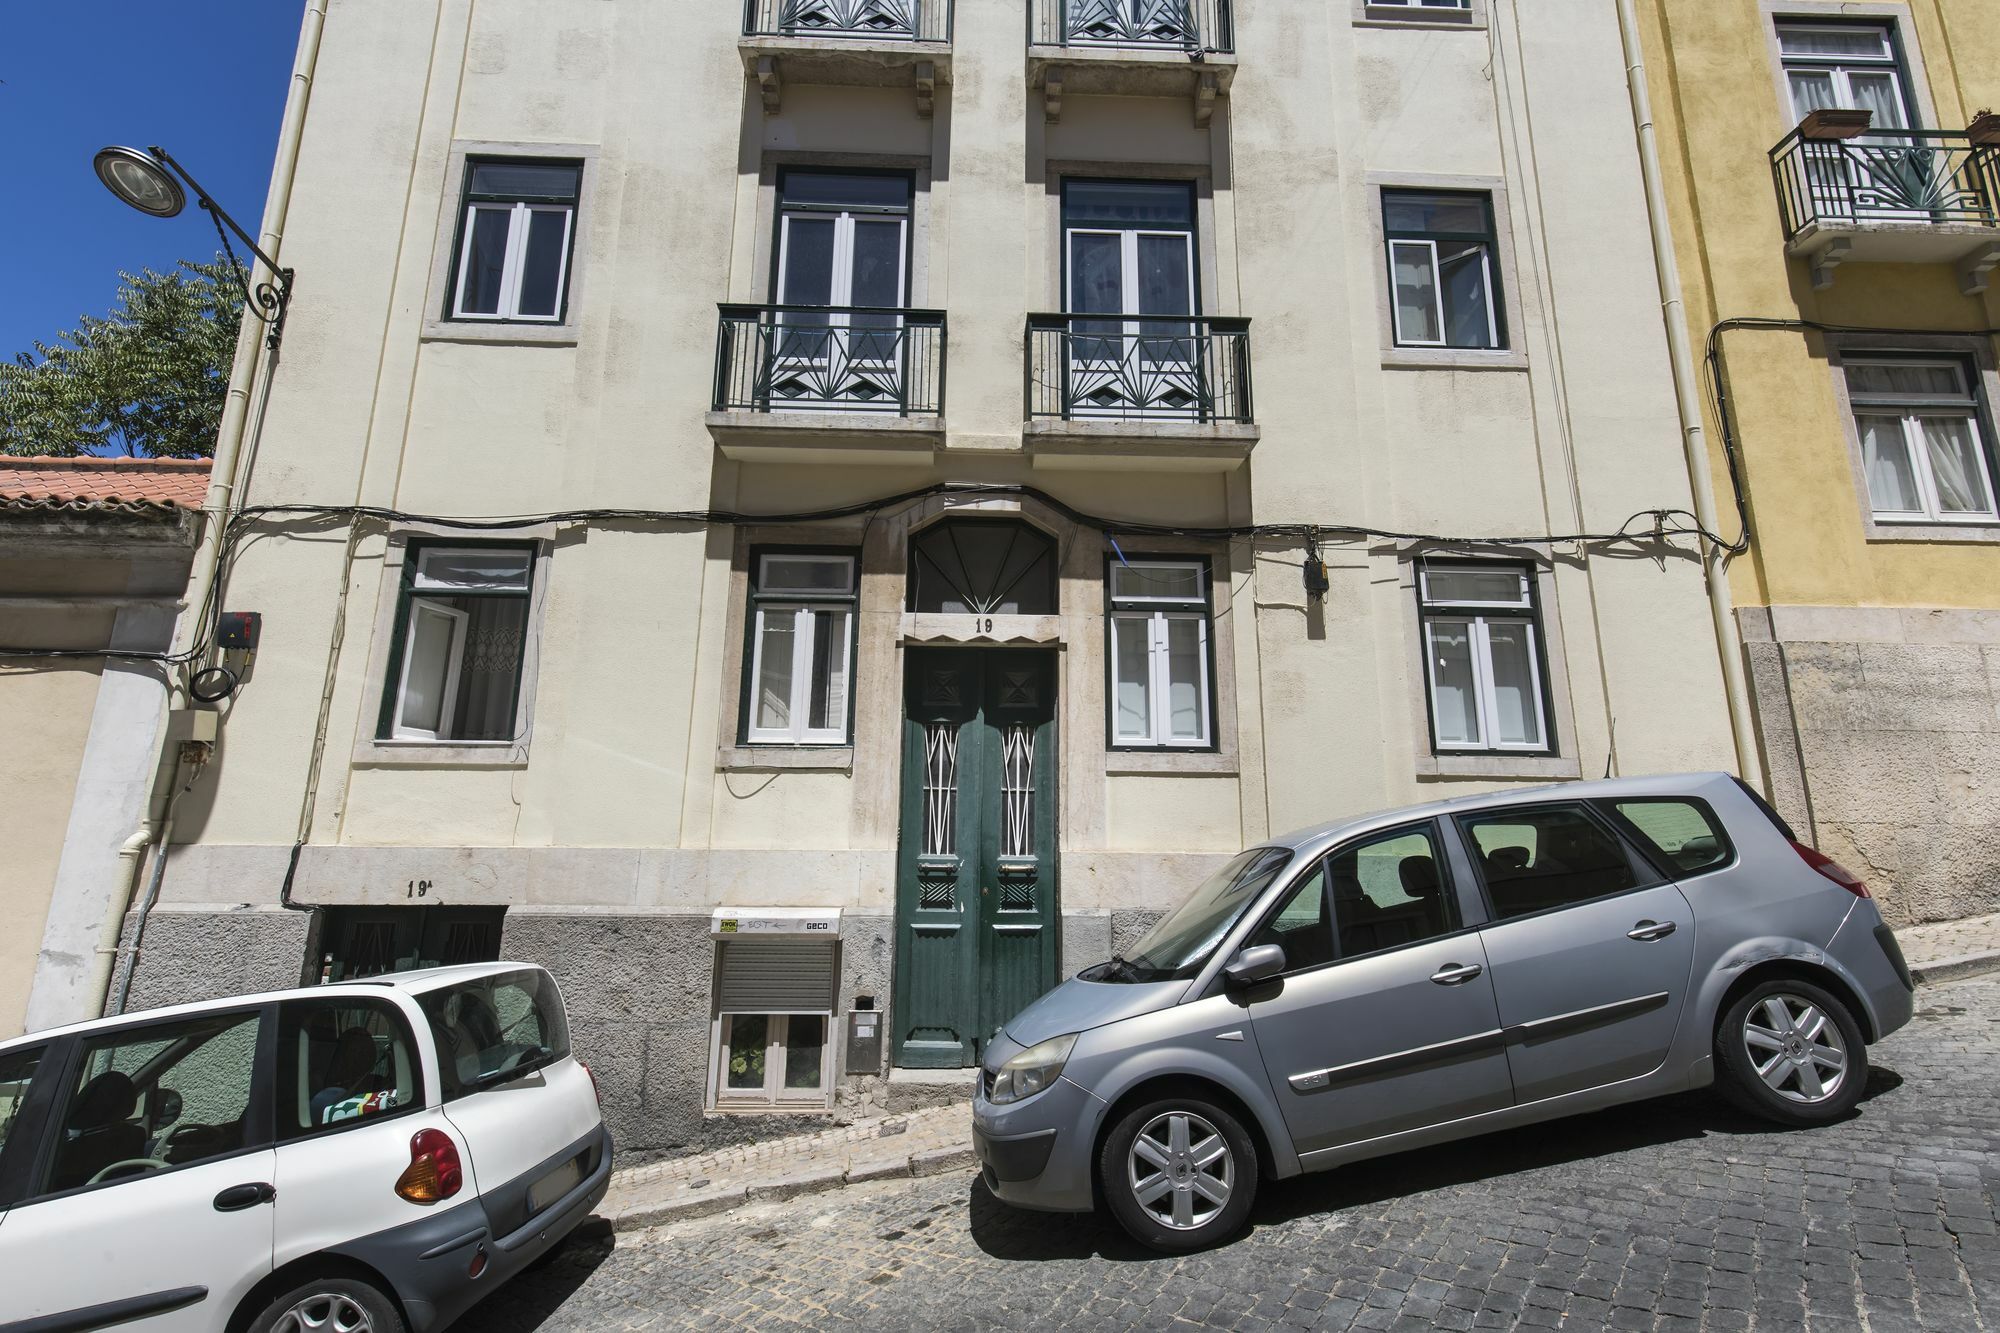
{"x":976,"y":905}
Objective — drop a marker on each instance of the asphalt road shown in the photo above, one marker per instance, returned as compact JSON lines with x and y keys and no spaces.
{"x":1670,"y":1215}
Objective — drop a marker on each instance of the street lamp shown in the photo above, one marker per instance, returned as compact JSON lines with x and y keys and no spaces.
{"x":145,"y":180}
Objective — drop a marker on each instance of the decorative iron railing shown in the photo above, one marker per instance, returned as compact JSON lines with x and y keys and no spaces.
{"x":830,"y":358}
{"x":1109,"y":367}
{"x":873,"y":20}
{"x":1181,"y":25}
{"x":1907,"y":176}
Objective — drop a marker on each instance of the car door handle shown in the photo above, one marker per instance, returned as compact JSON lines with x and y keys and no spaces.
{"x":1455,"y":974}
{"x":238,"y":1197}
{"x":1650,"y":930}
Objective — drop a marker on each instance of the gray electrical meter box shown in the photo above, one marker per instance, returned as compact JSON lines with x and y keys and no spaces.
{"x":864,"y":1037}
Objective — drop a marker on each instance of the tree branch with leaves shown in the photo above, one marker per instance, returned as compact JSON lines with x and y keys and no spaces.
{"x":148,"y":379}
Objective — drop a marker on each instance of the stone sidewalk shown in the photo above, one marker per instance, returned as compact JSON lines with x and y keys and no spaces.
{"x":939,"y":1139}
{"x":1947,"y":949}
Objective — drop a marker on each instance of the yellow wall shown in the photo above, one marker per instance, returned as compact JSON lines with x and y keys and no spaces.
{"x":1719,"y":108}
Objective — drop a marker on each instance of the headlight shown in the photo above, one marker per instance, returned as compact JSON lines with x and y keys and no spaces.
{"x":1031,"y":1071}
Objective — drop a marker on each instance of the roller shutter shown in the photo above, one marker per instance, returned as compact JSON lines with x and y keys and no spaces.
{"x":776,"y":976}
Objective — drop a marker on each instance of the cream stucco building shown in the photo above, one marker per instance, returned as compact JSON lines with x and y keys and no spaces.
{"x":916,"y":435}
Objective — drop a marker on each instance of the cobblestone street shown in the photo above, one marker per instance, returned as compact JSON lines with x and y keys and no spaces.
{"x":1669,"y":1215}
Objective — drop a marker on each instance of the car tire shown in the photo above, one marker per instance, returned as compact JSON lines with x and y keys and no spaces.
{"x":1790,"y":1051}
{"x":335,"y":1304}
{"x":1165,"y":1181}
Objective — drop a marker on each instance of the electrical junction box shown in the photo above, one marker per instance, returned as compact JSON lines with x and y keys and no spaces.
{"x":864,"y":1041}
{"x":238,"y":630}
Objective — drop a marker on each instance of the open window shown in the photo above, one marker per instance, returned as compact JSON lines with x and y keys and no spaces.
{"x":1444,"y":281}
{"x":461,"y":639}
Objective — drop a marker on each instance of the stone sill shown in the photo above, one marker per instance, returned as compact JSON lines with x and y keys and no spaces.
{"x":1497,"y":766}
{"x":1206,"y":763}
{"x":1452,"y":358}
{"x":1408,"y":16}
{"x":371,"y":753}
{"x":498,"y":333}
{"x":836,"y":758}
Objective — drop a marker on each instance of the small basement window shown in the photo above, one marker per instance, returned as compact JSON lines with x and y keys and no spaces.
{"x":773,"y":1020}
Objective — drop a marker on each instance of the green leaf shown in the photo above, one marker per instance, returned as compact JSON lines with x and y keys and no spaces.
{"x":149,"y":378}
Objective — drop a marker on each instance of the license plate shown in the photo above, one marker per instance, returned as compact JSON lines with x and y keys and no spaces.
{"x":555,"y":1184}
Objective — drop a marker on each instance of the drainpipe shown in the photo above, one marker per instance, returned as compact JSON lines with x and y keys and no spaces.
{"x":1688,"y":401}
{"x":223,"y":481}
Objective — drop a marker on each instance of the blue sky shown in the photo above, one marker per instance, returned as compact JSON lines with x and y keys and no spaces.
{"x":204,"y":79}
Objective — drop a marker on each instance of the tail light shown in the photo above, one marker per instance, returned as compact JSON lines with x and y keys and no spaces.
{"x":1833,"y":870}
{"x":434,"y":1172}
{"x":593,"y":1084}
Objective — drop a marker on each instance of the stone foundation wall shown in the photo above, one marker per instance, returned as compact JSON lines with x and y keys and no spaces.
{"x":1881,"y":732}
{"x":190,"y":955}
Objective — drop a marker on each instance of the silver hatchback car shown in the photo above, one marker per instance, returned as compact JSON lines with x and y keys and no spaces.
{"x":1436,"y":972}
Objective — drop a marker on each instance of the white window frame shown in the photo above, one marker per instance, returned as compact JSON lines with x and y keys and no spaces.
{"x":1157,"y":613}
{"x":1911,"y":410}
{"x":454,"y":659}
{"x":1839,"y":68}
{"x":801,"y":605}
{"x":1433,"y":611}
{"x":773,"y":1095}
{"x":1436,"y":267}
{"x":515,"y":261}
{"x":1420,"y":4}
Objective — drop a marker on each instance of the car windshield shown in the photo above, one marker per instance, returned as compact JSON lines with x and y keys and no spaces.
{"x":1181,"y":942}
{"x":495,"y":1029}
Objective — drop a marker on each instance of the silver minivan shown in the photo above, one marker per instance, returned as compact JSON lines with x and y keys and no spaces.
{"x":1435,"y":972}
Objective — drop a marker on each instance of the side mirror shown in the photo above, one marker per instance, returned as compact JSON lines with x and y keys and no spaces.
{"x":163,"y":1106}
{"x":1257,"y":963}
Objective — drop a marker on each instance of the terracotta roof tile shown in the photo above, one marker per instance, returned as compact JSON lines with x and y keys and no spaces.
{"x":103,"y":483}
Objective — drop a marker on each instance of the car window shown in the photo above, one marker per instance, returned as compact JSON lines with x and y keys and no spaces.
{"x":1534,"y":860}
{"x":1301,"y":926}
{"x":1685,"y":834}
{"x":494,"y":1029}
{"x":1180,"y":942}
{"x":341,"y":1062}
{"x":165,"y":1095}
{"x":1388,"y":891}
{"x":17,"y":1075}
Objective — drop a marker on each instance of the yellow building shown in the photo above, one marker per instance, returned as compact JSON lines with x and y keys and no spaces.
{"x":1833,"y":187}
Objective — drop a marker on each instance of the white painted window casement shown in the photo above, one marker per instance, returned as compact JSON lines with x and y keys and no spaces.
{"x":460,"y":644}
{"x":1442,"y":281}
{"x":515,"y":240}
{"x":801,"y":653}
{"x":774,"y":1017}
{"x":1160,"y":662}
{"x":1922,"y":447}
{"x":1483,"y":659}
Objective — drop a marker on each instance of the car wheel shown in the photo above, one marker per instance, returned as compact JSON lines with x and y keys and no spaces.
{"x":1179,"y":1173}
{"x":331,"y":1305}
{"x":1789,"y":1051}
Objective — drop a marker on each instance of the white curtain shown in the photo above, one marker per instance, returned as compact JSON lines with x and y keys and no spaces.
{"x":1892,"y":482}
{"x":1955,"y":465}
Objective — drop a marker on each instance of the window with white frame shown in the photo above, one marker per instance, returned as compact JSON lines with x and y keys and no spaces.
{"x":1158,"y":622}
{"x":773,"y":1020}
{"x":1482,"y":646}
{"x":460,"y":641}
{"x":1420,"y":4}
{"x":514,"y":241}
{"x":1444,"y":284}
{"x":1925,"y":456}
{"x":801,"y":652}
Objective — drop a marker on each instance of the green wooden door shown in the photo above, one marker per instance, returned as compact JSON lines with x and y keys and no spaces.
{"x":976,"y":867}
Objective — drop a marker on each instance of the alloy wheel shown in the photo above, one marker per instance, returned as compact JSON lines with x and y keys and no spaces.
{"x":1796,"y":1048}
{"x":1181,"y":1170}
{"x":325,"y":1312}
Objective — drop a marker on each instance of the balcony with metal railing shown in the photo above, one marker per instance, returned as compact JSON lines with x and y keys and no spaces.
{"x":1131,"y":48}
{"x":828,"y":383}
{"x":1849,"y":194}
{"x":869,"y":43}
{"x":1156,"y":393}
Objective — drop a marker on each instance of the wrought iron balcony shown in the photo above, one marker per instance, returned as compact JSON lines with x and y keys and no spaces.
{"x":875,"y":360}
{"x":1897,"y":195}
{"x":1191,"y":369}
{"x":863,"y":20}
{"x":1191,"y":27}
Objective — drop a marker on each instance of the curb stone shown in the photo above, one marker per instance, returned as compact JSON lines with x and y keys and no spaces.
{"x":940,"y":1160}
{"x":1951,"y":969}
{"x":790,"y":1187}
{"x":705,"y":1204}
